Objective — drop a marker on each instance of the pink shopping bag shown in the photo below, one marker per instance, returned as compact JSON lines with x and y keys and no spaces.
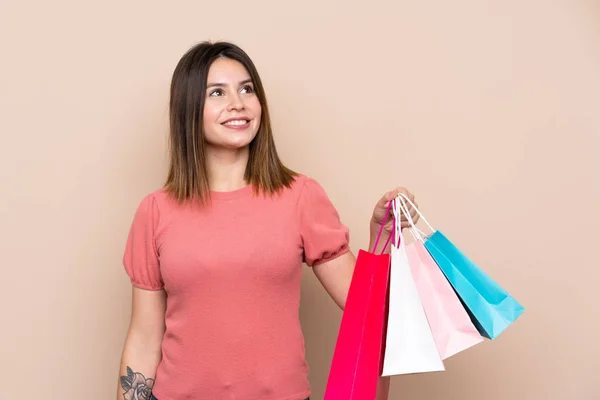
{"x":357,"y":358}
{"x":449,"y":321}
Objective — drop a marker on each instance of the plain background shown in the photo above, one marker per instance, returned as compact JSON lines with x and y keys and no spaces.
{"x":488,"y":110}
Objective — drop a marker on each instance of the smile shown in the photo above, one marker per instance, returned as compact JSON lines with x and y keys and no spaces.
{"x":236,"y":122}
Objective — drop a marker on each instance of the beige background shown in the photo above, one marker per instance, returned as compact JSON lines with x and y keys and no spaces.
{"x":488,"y":110}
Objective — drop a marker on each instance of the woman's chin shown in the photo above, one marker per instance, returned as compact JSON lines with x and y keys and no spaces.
{"x":231,"y":145}
{"x":231,"y":140}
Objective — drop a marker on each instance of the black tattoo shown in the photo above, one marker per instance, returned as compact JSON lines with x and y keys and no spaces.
{"x":136,"y":386}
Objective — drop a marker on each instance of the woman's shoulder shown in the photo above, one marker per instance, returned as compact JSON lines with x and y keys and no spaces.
{"x":304,"y":185}
{"x":303,"y":182}
{"x":309,"y":191}
{"x":155,"y":201}
{"x":155,"y":196}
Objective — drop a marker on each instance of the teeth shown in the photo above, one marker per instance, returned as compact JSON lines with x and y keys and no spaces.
{"x":236,"y":122}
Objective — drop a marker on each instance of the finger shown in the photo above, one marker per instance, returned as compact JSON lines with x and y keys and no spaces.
{"x":391,"y":212}
{"x":416,"y":206}
{"x":385,"y":199}
{"x":413,"y":213}
{"x":402,"y":190}
{"x":406,"y":206}
{"x":404,"y":218}
{"x":392,"y":194}
{"x":410,"y":197}
{"x":415,"y":219}
{"x":411,"y":202}
{"x":389,"y":225}
{"x":407,"y":194}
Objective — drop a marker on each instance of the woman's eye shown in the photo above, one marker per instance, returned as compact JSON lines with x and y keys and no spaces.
{"x":216,"y":92}
{"x":248,"y":89}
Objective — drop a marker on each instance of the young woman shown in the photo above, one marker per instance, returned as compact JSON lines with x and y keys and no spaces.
{"x":215,"y":256}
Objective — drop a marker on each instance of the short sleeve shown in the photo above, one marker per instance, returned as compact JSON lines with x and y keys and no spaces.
{"x":141,"y":260}
{"x":324,"y":237}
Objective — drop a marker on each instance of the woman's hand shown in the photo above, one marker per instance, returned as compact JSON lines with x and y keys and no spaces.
{"x":380,"y":210}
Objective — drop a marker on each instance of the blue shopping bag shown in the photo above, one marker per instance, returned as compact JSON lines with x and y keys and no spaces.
{"x":491,"y":308}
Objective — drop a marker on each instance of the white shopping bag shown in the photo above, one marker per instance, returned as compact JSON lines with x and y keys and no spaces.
{"x":410,"y":346}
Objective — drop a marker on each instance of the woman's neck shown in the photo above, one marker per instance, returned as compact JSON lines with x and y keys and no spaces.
{"x":226,"y":169}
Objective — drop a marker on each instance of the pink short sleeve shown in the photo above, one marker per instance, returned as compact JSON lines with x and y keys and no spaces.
{"x":141,"y":256}
{"x":323,"y":235}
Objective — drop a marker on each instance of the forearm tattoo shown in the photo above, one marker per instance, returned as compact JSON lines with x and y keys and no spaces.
{"x":136,"y":386}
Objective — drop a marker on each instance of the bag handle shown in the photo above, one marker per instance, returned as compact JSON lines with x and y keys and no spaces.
{"x":416,"y":232}
{"x":399,"y":241}
{"x":387,"y":212}
{"x":404,"y":197}
{"x":397,"y":232}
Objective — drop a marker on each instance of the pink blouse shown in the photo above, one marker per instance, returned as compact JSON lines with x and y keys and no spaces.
{"x":232,"y":271}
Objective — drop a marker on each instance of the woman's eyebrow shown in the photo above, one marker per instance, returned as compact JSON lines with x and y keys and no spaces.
{"x":219,"y":84}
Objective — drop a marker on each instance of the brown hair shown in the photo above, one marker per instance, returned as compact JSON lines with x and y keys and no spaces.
{"x":187,"y":178}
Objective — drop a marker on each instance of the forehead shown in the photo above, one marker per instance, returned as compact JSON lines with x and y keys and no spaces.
{"x":226,"y":70}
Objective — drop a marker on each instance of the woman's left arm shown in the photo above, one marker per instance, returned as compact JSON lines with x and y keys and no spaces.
{"x":335,"y":275}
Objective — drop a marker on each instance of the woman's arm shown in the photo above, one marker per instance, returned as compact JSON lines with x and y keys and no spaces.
{"x":335,"y":275}
{"x":142,"y":350}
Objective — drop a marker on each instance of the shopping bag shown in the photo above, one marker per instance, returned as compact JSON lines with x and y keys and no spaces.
{"x":356,"y":364}
{"x":450,"y":323}
{"x":410,"y":346}
{"x":491,"y":308}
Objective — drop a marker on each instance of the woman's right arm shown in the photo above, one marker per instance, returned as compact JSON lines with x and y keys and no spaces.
{"x":142,"y":350}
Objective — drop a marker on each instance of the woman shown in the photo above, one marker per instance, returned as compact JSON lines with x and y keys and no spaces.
{"x":215,"y":256}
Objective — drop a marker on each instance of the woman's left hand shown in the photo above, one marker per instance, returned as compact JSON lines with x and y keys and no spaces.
{"x":382,"y":206}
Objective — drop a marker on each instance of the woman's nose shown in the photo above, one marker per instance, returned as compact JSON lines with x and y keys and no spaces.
{"x":235,"y":103}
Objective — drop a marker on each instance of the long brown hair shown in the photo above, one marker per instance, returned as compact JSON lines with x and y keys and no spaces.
{"x":188,"y":178}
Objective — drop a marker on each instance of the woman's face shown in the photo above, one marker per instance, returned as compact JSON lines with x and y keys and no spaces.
{"x":231,"y":111}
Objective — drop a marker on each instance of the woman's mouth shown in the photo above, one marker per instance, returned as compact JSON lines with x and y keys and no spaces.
{"x":237,"y":123}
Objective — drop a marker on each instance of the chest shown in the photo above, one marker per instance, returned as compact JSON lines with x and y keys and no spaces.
{"x":231,"y":247}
